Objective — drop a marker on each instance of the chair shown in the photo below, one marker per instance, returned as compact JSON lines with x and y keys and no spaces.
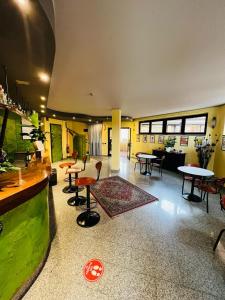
{"x":98,"y":167}
{"x":158,"y":163}
{"x":210,"y":186}
{"x":77,"y":200}
{"x":222,"y":203}
{"x":187,"y":177}
{"x":74,"y":156}
{"x":139,"y":161}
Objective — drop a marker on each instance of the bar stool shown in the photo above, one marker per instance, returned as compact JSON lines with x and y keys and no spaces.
{"x":69,"y":188}
{"x":88,"y":218}
{"x":77,"y":200}
{"x":74,"y":156}
{"x":98,"y":167}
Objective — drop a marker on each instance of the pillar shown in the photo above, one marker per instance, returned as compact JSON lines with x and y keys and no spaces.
{"x":116,"y":124}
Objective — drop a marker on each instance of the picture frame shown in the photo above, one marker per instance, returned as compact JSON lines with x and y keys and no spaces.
{"x":152,"y":139}
{"x":184,"y":141}
{"x":161,"y":139}
{"x":145,"y":138}
{"x":223,"y":143}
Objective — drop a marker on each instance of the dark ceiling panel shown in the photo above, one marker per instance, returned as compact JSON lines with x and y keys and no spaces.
{"x":27,"y":46}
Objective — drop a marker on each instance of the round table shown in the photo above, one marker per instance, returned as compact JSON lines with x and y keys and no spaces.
{"x":88,"y":218}
{"x":195,"y":173}
{"x":148,"y":158}
{"x":76,"y":200}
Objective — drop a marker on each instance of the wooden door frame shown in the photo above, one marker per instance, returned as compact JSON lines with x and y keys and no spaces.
{"x":52,"y":124}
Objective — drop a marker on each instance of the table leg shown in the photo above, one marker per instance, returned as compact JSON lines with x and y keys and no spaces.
{"x":147,"y":170}
{"x":192,"y":197}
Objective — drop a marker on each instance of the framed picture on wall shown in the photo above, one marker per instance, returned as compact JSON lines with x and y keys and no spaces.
{"x":184,"y":141}
{"x":152,"y":139}
{"x":138,"y":138}
{"x":223,"y":143}
{"x":145,"y":138}
{"x":160,"y":139}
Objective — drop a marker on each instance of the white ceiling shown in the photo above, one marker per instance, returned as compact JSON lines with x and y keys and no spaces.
{"x":146,"y":57}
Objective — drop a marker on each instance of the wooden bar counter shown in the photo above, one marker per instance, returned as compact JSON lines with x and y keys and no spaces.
{"x":24,"y":227}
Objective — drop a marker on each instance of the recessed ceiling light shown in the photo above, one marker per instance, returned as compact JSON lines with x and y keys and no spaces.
{"x":42,"y":111}
{"x":43,"y":98}
{"x":54,"y":115}
{"x":24,"y":5}
{"x":42,"y":106}
{"x":44,"y":77}
{"x":74,"y":118}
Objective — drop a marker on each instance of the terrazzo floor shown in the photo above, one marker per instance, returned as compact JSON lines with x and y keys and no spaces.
{"x":162,"y":250}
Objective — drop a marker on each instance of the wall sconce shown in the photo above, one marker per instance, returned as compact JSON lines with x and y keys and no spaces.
{"x":213,"y":122}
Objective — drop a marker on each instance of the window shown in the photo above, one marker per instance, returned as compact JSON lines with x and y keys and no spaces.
{"x":195,"y":124}
{"x":173,"y":126}
{"x":144,"y":127}
{"x":157,"y":127}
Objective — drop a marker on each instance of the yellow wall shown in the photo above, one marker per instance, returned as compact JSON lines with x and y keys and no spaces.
{"x":105,"y":126}
{"x":190,"y":151}
{"x":219,"y":163}
{"x":78,"y":127}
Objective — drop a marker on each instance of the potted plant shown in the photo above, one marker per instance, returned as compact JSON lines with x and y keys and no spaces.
{"x":205,"y":147}
{"x":169,"y":143}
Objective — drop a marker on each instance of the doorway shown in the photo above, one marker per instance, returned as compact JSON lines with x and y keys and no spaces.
{"x":56,"y":142}
{"x":125,"y":142}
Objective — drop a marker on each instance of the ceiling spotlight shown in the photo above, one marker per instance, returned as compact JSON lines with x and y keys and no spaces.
{"x":89,"y":120}
{"x":43,"y":98}
{"x":74,"y":118}
{"x":24,"y":5}
{"x":44,"y":77}
{"x":42,"y":106}
{"x":42,"y":111}
{"x":54,"y":115}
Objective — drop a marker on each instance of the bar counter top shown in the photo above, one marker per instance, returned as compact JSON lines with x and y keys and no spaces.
{"x":18,"y":187}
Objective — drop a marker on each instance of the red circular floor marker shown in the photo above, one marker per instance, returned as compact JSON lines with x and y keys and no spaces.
{"x":93,"y":270}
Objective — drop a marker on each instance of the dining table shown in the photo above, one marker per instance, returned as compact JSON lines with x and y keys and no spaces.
{"x":194,"y":172}
{"x":148,"y":158}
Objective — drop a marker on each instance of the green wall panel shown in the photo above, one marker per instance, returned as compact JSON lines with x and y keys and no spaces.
{"x":79,"y":145}
{"x":13,"y":140}
{"x":23,"y":243}
{"x":56,"y":142}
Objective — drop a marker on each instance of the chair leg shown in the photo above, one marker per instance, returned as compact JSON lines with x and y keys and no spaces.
{"x":183,"y":186}
{"x":218,"y":239}
{"x":207,"y":203}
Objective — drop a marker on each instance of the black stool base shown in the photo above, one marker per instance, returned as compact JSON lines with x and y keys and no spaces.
{"x":69,"y":189}
{"x":88,"y":219}
{"x":76,"y":201}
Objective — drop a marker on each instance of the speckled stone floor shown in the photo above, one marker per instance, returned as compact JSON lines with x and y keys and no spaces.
{"x":162,"y":250}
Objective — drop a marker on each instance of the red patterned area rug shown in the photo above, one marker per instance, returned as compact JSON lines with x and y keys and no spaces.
{"x":117,"y":195}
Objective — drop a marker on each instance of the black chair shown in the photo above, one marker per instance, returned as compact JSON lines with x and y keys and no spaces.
{"x":158,"y":163}
{"x":222,"y":203}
